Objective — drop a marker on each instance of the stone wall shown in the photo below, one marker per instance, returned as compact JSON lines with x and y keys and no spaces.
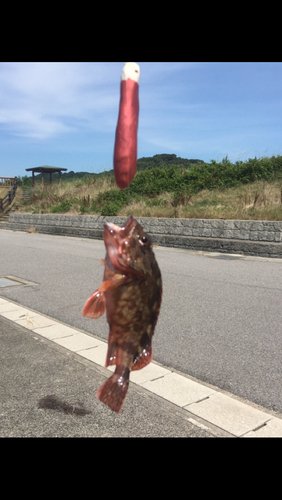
{"x":263,"y":238}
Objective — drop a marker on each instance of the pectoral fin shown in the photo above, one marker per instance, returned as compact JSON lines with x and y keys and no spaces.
{"x":95,"y":306}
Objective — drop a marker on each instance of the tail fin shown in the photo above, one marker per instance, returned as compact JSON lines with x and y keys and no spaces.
{"x":113,"y":391}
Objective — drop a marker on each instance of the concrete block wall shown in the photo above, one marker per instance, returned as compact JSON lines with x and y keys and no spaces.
{"x":263,"y":238}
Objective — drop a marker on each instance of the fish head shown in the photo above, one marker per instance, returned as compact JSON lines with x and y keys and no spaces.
{"x":128,"y":247}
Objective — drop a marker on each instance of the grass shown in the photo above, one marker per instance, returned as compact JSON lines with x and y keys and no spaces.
{"x":243,"y":190}
{"x":4,"y":191}
{"x":259,"y":200}
{"x":66,"y":197}
{"x":16,"y":201}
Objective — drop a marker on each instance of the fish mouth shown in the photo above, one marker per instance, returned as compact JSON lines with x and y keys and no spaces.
{"x":115,"y":239}
{"x":120,"y":231}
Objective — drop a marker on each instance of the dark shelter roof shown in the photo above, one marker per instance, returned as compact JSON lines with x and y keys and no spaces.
{"x":46,"y":169}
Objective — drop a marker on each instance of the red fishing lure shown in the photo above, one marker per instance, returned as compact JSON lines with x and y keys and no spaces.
{"x":125,"y":150}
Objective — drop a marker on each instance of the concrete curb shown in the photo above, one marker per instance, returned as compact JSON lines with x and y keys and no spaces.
{"x":248,"y":237}
{"x":202,"y":403}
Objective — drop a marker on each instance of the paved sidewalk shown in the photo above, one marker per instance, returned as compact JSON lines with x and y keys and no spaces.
{"x":50,"y":373}
{"x":37,"y":373}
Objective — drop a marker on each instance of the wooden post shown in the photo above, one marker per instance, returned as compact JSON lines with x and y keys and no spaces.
{"x":32,"y":178}
{"x":42,"y":178}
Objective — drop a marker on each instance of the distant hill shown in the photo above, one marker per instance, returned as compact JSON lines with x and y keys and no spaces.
{"x":156,"y":161}
{"x":164,"y":160}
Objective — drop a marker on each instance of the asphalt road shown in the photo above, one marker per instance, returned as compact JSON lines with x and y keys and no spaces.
{"x":220,"y":319}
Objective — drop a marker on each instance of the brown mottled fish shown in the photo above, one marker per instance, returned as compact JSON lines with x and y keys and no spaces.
{"x":131,"y":294}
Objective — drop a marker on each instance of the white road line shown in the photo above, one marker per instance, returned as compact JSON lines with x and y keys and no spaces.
{"x":233,"y":416}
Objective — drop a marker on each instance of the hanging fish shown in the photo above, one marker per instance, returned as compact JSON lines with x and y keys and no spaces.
{"x":131,"y":294}
{"x":125,"y":150}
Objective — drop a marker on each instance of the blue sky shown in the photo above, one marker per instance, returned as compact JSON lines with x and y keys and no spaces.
{"x":65,"y":114}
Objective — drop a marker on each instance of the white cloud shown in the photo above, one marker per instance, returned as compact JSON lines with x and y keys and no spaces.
{"x":43,"y":100}
{"x":38,"y":100}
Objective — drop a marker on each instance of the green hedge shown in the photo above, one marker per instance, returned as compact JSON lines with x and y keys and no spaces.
{"x":187,"y":181}
{"x":168,"y":173}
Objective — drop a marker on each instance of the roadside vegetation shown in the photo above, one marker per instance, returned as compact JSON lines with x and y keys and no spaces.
{"x":166,"y":186}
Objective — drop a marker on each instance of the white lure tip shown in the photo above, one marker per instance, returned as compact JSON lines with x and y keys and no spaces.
{"x":131,"y":70}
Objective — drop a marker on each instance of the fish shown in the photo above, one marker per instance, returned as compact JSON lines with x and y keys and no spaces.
{"x":131,"y":294}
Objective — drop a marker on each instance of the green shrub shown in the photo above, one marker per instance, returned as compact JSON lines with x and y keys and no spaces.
{"x":110,"y":202}
{"x":155,"y":176}
{"x":64,"y":206}
{"x":183,"y":182}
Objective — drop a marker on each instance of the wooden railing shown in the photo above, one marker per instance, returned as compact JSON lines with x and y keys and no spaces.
{"x":6,"y":181}
{"x":7,"y":200}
